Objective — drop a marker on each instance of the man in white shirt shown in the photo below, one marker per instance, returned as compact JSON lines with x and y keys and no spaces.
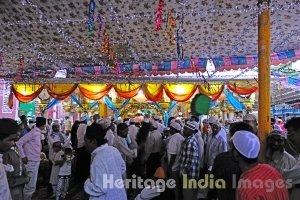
{"x":173,"y":150}
{"x":216,"y":144}
{"x":8,"y":133}
{"x":106,"y":164}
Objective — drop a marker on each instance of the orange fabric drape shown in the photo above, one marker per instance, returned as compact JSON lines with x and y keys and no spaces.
{"x":153,"y":92}
{"x":126,"y":90}
{"x":26,"y":92}
{"x":60,"y":91}
{"x":180,"y":92}
{"x":241,"y":90}
{"x":94,"y":91}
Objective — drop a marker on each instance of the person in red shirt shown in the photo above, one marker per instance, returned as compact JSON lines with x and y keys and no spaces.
{"x":258,"y":181}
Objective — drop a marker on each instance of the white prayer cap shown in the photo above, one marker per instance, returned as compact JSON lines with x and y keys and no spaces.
{"x":190,"y":125}
{"x":105,"y":123}
{"x":205,"y":121}
{"x":212,"y":120}
{"x":146,"y":120}
{"x":180,"y":113}
{"x":148,"y":193}
{"x":56,"y":140}
{"x":249,"y":117}
{"x":132,"y":120}
{"x":229,"y":121}
{"x":154,"y":124}
{"x":246,"y":143}
{"x":196,"y":125}
{"x":156,"y":117}
{"x":175,"y":125}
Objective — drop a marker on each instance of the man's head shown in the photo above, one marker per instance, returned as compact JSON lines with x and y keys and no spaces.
{"x":49,"y":121}
{"x":55,"y":127}
{"x":132,"y":121}
{"x":251,"y":120}
{"x":212,"y":120}
{"x":189,"y":129}
{"x":66,"y":117}
{"x":293,"y":129}
{"x":153,"y":125}
{"x":9,"y":131}
{"x":216,"y":127}
{"x":94,"y":137}
{"x":246,"y":148}
{"x":194,"y":118}
{"x":23,"y":119}
{"x":276,"y":141}
{"x":122,"y":130}
{"x":174,"y":128}
{"x":239,"y":126}
{"x":40,"y":122}
{"x":96,"y":117}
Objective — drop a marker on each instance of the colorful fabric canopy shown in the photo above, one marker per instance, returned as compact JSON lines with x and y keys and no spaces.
{"x":94,"y":91}
{"x":179,"y":92}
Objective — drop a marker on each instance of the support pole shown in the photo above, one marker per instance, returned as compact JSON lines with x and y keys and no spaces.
{"x":264,"y":80}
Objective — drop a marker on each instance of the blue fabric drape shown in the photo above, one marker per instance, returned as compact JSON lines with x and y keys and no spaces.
{"x":111,"y":105}
{"x":234,"y":101}
{"x":166,"y":113}
{"x":95,"y":103}
{"x":212,"y":104}
{"x":74,"y":98}
{"x":51,"y":103}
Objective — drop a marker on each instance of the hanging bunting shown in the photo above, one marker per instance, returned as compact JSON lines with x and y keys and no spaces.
{"x":159,"y":12}
{"x":92,"y":6}
{"x":179,"y":39}
{"x":107,"y":50}
{"x":171,"y":24}
{"x":100,"y":25}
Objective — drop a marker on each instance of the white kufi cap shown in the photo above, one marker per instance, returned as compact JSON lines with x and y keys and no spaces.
{"x":246,"y":143}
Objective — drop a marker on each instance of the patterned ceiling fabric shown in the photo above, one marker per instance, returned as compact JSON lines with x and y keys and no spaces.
{"x":94,"y":91}
{"x":180,"y":92}
{"x":26,"y":92}
{"x":153,"y":92}
{"x":60,"y":91}
{"x":127,"y":90}
{"x":53,"y":34}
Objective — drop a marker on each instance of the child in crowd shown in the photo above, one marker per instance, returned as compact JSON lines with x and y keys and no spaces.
{"x":57,"y":162}
{"x":64,"y":174}
{"x":17,"y":178}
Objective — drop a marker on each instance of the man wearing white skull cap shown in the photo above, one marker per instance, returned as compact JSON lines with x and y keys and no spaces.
{"x":255,"y":180}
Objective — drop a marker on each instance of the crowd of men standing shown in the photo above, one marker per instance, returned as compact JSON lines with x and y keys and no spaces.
{"x":183,"y":150}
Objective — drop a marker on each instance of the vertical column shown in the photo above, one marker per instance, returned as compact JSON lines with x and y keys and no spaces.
{"x":264,"y":46}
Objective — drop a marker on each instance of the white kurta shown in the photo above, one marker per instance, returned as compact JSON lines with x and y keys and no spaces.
{"x":106,"y":161}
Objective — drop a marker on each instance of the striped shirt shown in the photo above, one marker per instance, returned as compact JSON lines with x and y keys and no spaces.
{"x":189,"y":158}
{"x":262,"y":182}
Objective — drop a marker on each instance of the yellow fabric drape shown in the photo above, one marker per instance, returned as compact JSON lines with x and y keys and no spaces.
{"x":153,"y":92}
{"x":210,"y":90}
{"x":60,"y":91}
{"x":126,"y":90}
{"x":180,"y":92}
{"x":26,"y":92}
{"x":94,"y":91}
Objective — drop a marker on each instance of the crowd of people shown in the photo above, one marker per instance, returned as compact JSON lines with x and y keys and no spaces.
{"x":204,"y":158}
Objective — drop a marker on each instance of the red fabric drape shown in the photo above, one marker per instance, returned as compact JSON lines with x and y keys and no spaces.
{"x":241,"y":90}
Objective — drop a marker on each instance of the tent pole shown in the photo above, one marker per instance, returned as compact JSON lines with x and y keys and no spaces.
{"x":264,"y":82}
